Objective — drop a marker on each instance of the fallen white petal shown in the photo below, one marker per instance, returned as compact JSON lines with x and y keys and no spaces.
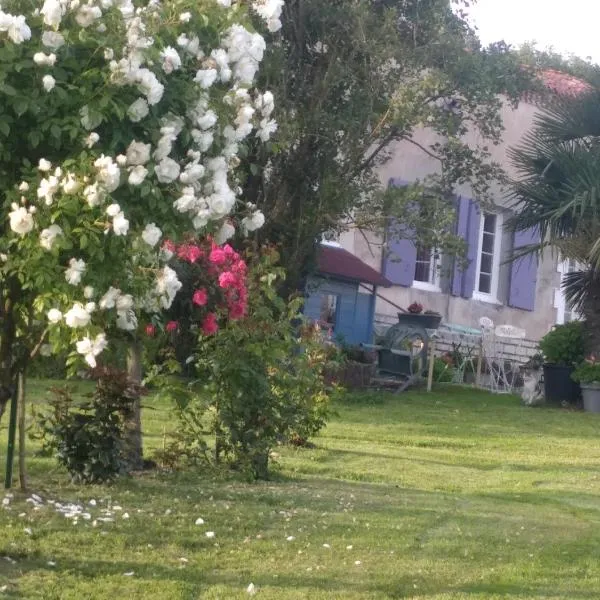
{"x":251,"y":589}
{"x":210,"y":534}
{"x":199,"y":521}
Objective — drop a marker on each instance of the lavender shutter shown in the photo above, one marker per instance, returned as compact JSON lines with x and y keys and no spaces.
{"x":468,"y":224}
{"x":400,"y":261}
{"x":401,"y":258}
{"x":523,"y":272}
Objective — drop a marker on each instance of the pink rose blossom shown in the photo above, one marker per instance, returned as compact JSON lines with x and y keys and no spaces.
{"x":210,"y":325}
{"x":200,"y":297}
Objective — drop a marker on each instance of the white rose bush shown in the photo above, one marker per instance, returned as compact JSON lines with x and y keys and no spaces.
{"x":121,"y":127}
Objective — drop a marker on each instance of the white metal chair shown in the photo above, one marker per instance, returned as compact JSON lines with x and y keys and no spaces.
{"x":500,"y":349}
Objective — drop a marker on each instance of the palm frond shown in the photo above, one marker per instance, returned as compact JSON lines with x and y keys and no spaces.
{"x":576,"y":287}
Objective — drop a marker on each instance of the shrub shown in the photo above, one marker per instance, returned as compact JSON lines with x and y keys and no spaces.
{"x":587,"y":372}
{"x":442,"y":371}
{"x":262,"y":380}
{"x":357,"y":354}
{"x":564,"y":345}
{"x":88,"y":437}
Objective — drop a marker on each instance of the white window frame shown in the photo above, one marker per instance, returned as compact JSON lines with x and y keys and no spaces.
{"x":492,"y":297}
{"x":433,"y":285}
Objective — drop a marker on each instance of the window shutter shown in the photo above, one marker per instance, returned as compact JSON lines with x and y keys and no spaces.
{"x":468,"y":223}
{"x":401,"y":256}
{"x":400,"y":261}
{"x":523,"y":272}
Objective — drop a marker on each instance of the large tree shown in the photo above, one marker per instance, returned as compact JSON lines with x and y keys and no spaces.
{"x":350,"y":78}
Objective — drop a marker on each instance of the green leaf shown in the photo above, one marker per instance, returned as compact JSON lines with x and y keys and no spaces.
{"x":9,"y":90}
{"x":4,"y":128}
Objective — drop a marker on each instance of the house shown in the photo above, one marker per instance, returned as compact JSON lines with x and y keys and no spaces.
{"x":525,"y":293}
{"x":341,"y":295}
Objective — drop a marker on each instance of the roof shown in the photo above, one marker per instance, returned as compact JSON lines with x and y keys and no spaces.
{"x":564,"y":84}
{"x":338,"y":262}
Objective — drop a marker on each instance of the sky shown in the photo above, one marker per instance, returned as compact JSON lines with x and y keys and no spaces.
{"x":569,"y":26}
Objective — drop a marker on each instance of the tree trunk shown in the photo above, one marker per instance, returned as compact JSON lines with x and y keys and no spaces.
{"x":591,"y":313}
{"x":134,"y":455}
{"x":22,"y":436}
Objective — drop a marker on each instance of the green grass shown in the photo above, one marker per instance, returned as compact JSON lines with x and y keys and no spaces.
{"x":455,"y":494}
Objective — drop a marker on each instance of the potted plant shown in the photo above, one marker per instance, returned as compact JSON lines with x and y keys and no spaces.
{"x":563,"y":350}
{"x":416,"y":317}
{"x":588,"y":377}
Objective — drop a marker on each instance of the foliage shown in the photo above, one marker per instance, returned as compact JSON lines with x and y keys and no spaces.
{"x":120,"y":124}
{"x":564,"y":345}
{"x":88,"y":438}
{"x":357,"y":354}
{"x":442,"y":370}
{"x":587,"y":372}
{"x":353,"y":81}
{"x":258,"y":380}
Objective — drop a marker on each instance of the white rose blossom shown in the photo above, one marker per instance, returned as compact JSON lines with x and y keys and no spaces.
{"x":21,"y":220}
{"x":46,"y":60}
{"x":167,"y":170}
{"x":52,"y":40}
{"x":54,"y":316}
{"x":171,"y":60}
{"x":151,"y":234}
{"x":77,"y":316}
{"x":53,"y":13}
{"x":75,"y":271}
{"x":48,"y":82}
{"x":138,"y":153}
{"x":48,"y":236}
{"x":90,"y":349}
{"x":120,"y":224}
{"x":138,"y":110}
{"x":137,"y":175}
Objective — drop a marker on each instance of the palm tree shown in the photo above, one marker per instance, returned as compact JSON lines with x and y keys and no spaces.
{"x":558,"y":193}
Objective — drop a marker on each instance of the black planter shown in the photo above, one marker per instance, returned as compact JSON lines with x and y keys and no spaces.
{"x":420,"y":320}
{"x":558,"y":385}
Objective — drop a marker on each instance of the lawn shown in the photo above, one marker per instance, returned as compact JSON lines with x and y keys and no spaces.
{"x":454,"y":494}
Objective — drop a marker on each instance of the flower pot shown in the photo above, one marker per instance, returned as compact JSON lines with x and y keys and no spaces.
{"x":591,"y":397}
{"x":558,"y":385}
{"x":420,"y":320}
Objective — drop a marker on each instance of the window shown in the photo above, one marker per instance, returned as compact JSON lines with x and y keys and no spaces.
{"x":426,"y":269}
{"x":564,"y":313}
{"x":488,"y":259}
{"x":328,"y":313}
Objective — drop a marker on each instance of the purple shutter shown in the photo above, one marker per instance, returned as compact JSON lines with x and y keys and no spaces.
{"x":401,"y":256}
{"x":468,"y":224}
{"x":523,"y":272}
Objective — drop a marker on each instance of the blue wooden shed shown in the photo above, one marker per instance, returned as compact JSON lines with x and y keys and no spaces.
{"x":341,"y":295}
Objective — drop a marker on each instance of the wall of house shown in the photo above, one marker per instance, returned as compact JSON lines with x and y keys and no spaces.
{"x":410,"y":163}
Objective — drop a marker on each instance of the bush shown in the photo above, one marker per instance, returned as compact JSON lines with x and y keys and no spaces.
{"x":262,"y":381}
{"x":564,"y":345}
{"x":357,"y":354}
{"x":442,"y":371}
{"x":88,"y":437}
{"x":587,"y":372}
